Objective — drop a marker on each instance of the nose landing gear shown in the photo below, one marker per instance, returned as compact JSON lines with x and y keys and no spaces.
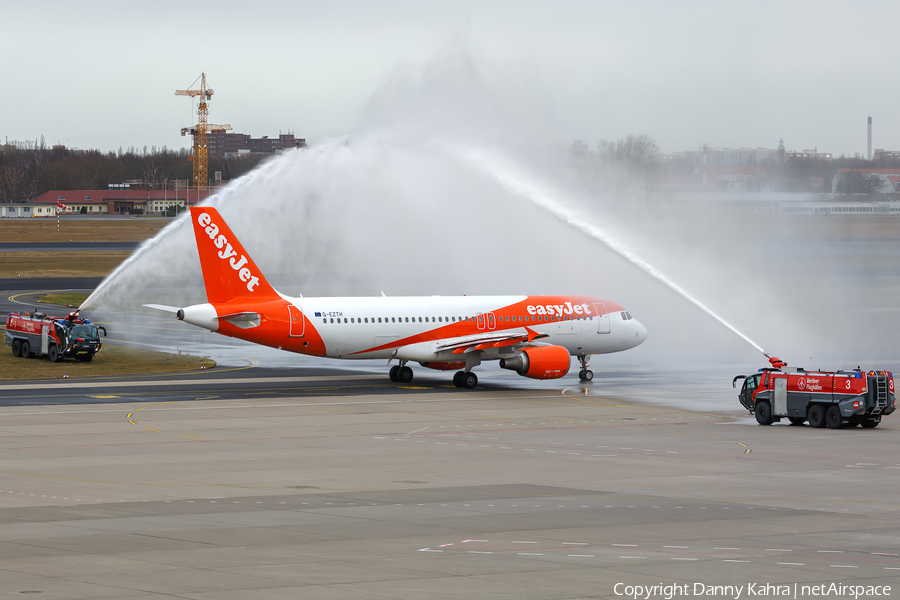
{"x":585,"y":374}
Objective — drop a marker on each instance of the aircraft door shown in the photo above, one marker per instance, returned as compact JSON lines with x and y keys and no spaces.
{"x":602,"y":317}
{"x":297,"y":321}
{"x":479,"y":320}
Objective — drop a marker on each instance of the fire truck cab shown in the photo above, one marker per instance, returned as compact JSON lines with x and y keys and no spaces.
{"x":57,"y":338}
{"x":832,"y":398}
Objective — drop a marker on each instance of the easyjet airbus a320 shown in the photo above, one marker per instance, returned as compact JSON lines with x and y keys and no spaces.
{"x":535,"y":336}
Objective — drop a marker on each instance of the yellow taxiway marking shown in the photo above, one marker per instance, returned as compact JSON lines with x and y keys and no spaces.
{"x":192,"y":437}
{"x":104,"y":396}
{"x":132,"y":422}
{"x":128,"y":416}
{"x":151,"y":429}
{"x":204,"y":398}
{"x":747,"y":451}
{"x":412,"y":387}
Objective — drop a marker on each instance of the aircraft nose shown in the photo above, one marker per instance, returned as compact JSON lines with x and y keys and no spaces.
{"x":640,"y":333}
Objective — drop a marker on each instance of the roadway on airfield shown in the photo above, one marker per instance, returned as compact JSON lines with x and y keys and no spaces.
{"x":362,"y":491}
{"x":68,"y":246}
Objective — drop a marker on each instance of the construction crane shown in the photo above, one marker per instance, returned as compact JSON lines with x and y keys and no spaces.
{"x":200,"y":130}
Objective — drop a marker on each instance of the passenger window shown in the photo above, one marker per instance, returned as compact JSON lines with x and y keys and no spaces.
{"x":345,"y":319}
{"x":439,"y":318}
{"x":351,"y":320}
{"x":325,"y":321}
{"x":420,"y":319}
{"x":379,"y":319}
{"x":407,"y":319}
{"x":332,"y":320}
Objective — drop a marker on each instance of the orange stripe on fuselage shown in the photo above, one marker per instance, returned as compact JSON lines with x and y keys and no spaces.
{"x":464,"y":328}
{"x":273,"y":329}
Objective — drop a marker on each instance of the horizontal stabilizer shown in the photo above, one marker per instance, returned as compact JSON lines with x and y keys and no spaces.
{"x":171,"y":309}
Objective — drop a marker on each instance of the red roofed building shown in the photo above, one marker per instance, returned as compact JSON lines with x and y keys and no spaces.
{"x":119,"y":201}
{"x":879,"y":179}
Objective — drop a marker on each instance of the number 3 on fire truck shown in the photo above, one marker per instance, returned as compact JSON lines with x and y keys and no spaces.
{"x":848,"y":384}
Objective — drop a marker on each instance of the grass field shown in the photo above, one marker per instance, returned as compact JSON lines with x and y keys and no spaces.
{"x":59,"y":264}
{"x":111,"y":360}
{"x":74,"y":300}
{"x":114,"y":230}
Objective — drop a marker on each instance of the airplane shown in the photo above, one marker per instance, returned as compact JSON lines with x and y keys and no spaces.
{"x":535,"y":336}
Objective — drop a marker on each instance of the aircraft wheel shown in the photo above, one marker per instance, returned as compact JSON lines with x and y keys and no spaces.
{"x":796,"y":420}
{"x":404,"y":375}
{"x":16,"y":348}
{"x":457,"y":378}
{"x":25,"y":350}
{"x":586,"y":375}
{"x":393,"y":373}
{"x":469,"y":380}
{"x":833,"y":417}
{"x":53,"y":354}
{"x":816,"y":416}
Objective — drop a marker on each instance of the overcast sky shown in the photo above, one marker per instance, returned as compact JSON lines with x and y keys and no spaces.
{"x":734,"y":74}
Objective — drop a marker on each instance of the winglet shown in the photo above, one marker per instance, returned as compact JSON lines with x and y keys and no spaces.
{"x":228,"y":270}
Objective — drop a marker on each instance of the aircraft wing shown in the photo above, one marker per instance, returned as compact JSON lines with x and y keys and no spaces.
{"x":483,"y":341}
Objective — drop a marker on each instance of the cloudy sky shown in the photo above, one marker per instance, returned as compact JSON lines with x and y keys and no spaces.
{"x":735,"y":74}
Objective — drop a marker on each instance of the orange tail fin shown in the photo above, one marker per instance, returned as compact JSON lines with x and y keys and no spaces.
{"x":228,"y":270}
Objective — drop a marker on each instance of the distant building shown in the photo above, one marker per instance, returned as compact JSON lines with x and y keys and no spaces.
{"x":727,"y":156}
{"x":881,"y":179}
{"x":730,"y":178}
{"x":813,"y":154}
{"x":94,"y":202}
{"x":220,"y":143}
{"x":888,"y":154}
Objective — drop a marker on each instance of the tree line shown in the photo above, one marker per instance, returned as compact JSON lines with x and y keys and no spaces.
{"x":30,"y":168}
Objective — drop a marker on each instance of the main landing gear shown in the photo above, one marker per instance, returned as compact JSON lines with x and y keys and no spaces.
{"x":401,"y":373}
{"x":585,"y":374}
{"x":465,"y":380}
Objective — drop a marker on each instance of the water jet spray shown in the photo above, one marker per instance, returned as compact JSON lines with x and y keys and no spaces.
{"x":519,"y":184}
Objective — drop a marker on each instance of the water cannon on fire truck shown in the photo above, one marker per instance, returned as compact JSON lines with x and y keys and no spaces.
{"x":833,"y":398}
{"x":57,"y":338}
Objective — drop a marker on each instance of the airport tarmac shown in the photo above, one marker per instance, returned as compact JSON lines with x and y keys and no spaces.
{"x":280,"y":476}
{"x":428,"y":491}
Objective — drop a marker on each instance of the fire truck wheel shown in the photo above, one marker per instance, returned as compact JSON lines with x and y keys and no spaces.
{"x":25,"y":350}
{"x":869,"y":424}
{"x":763,"y":413}
{"x":16,"y":348}
{"x":53,"y":354}
{"x":816,"y":416}
{"x":833,"y":417}
{"x":796,"y":420}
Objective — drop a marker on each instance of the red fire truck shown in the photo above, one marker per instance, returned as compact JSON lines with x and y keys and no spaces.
{"x":833,"y":398}
{"x":56,"y":337}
